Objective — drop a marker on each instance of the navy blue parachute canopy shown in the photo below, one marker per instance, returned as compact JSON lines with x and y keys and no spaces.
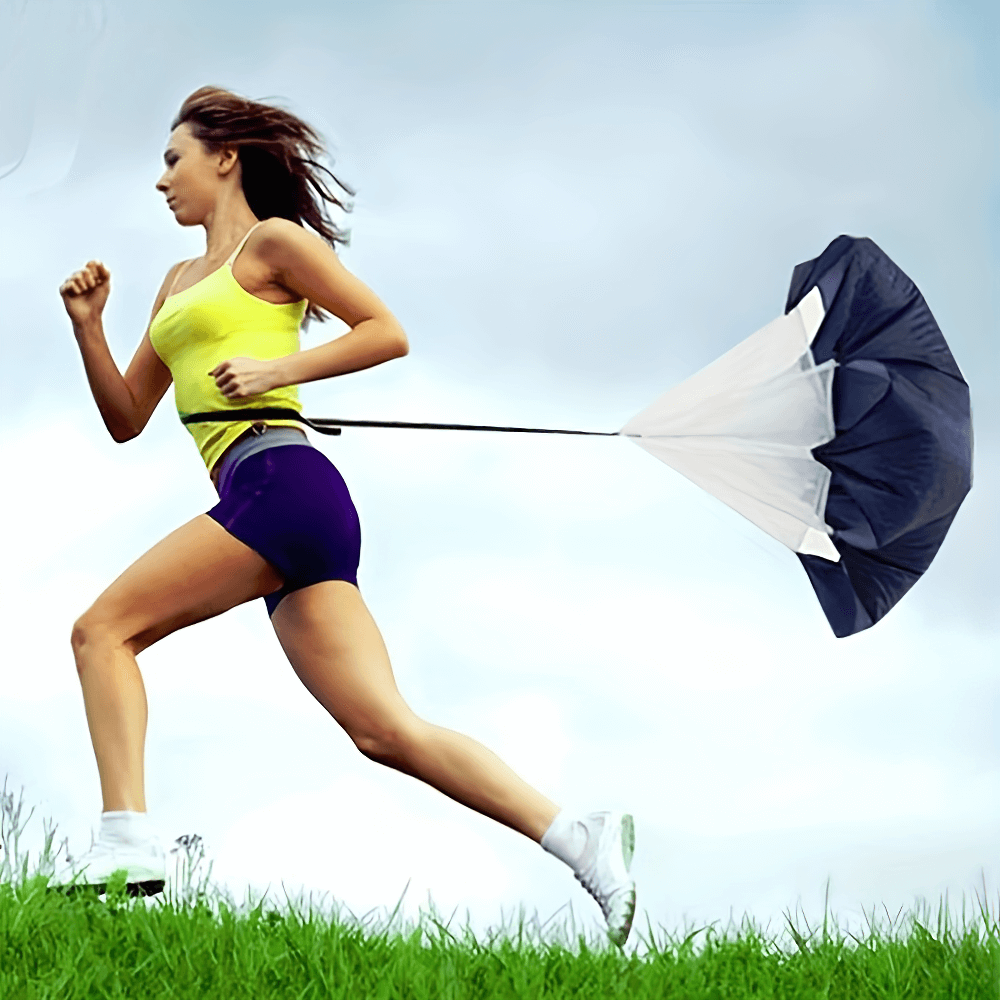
{"x":901,"y":460}
{"x":842,"y":428}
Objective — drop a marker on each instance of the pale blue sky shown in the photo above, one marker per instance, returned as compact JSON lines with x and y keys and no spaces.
{"x":570,"y":207}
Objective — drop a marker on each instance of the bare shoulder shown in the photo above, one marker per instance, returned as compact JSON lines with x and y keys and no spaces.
{"x":304,"y":264}
{"x":279,"y":240}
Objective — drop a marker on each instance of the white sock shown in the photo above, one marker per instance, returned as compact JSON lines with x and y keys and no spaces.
{"x":123,"y":826}
{"x":566,"y":838}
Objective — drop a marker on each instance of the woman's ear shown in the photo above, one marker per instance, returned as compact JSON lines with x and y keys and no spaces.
{"x":229,"y":157}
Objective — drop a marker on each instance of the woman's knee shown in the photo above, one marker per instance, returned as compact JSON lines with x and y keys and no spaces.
{"x":83,"y":633}
{"x":90,"y":633}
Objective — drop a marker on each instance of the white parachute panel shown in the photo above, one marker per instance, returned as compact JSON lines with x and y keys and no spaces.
{"x":743,"y":428}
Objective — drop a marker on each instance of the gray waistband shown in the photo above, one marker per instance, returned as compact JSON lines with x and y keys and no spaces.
{"x":269,"y":437}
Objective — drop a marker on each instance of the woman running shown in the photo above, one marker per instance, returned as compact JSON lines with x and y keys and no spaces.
{"x":225,"y":330}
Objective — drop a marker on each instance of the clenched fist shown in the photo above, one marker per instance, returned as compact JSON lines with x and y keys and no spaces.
{"x":239,"y":378}
{"x":85,"y":292}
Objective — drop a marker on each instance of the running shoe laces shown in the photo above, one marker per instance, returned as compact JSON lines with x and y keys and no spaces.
{"x":603,"y":870}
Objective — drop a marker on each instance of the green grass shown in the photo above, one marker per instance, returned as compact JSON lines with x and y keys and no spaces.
{"x":194,"y":941}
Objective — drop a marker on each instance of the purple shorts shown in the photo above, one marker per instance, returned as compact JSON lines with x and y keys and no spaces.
{"x":291,"y":505}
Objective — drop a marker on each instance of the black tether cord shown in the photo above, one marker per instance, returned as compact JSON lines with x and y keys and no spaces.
{"x":324,"y":425}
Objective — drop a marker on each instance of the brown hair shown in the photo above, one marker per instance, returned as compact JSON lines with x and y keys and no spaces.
{"x":278,"y":155}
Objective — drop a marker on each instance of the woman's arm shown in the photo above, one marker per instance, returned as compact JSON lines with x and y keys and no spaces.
{"x":308,"y":267}
{"x":125,"y":402}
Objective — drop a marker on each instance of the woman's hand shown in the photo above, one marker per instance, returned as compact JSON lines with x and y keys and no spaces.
{"x":242,"y":377}
{"x":85,"y":292}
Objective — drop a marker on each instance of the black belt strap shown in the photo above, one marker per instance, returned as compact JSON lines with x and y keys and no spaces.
{"x":258,"y":413}
{"x":324,"y":425}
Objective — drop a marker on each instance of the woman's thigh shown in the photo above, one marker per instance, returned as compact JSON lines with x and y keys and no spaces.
{"x":335,"y":647}
{"x":196,"y":572}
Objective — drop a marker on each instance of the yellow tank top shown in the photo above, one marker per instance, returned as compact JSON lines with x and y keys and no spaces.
{"x":212,"y":321}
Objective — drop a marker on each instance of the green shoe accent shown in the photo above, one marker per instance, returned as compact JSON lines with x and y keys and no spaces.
{"x":628,"y":840}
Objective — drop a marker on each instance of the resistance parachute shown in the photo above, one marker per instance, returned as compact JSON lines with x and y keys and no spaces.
{"x":842,"y":429}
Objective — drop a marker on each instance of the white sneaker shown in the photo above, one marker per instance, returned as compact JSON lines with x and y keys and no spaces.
{"x":603,"y":870}
{"x":145,"y":864}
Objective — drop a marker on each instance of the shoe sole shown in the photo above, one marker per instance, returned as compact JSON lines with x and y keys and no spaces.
{"x":149,"y":887}
{"x":620,"y":936}
{"x":628,"y":850}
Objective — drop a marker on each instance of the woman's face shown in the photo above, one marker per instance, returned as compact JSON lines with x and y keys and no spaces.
{"x":193,"y":176}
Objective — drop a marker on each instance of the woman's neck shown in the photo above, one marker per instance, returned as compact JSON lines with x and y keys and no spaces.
{"x":226,"y":225}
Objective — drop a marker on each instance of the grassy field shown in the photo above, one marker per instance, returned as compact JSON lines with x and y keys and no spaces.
{"x":194,"y":941}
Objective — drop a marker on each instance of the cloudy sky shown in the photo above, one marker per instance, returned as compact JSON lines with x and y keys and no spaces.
{"x":570,"y":207}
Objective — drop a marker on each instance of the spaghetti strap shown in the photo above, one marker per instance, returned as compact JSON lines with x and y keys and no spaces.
{"x":177,"y":277}
{"x":239,"y":246}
